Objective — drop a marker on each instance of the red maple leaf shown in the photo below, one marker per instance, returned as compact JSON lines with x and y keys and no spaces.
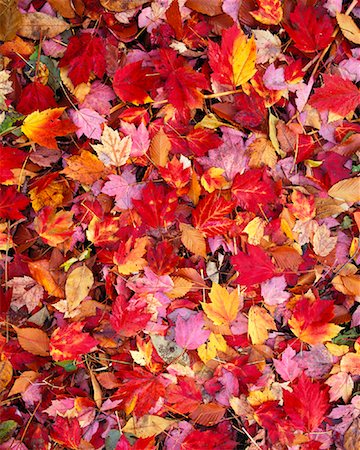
{"x":209,"y":215}
{"x":10,"y":158}
{"x":253,"y":267}
{"x":11,"y":203}
{"x":36,"y":97}
{"x":66,"y":432}
{"x":201,"y":140}
{"x":183,"y":397}
{"x":214,"y":441}
{"x":254,"y":189}
{"x":157,"y":206}
{"x":132,"y":83}
{"x":307,"y":404}
{"x":70,"y":342}
{"x":128,"y":319}
{"x":251,"y":111}
{"x":140,"y":390}
{"x":182,"y":83}
{"x":311,"y":28}
{"x":337,"y":95}
{"x":84,"y":54}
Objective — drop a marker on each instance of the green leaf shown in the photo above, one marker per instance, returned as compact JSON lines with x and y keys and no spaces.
{"x":112,"y":439}
{"x":6,"y":429}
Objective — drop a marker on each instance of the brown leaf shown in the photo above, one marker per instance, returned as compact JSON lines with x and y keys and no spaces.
{"x":33,"y":340}
{"x":23,"y":382}
{"x":352,"y":436}
{"x":39,"y":25}
{"x":63,"y":7}
{"x":261,"y":153}
{"x":96,"y":390}
{"x":208,"y":7}
{"x":108,"y":380}
{"x":208,"y":415}
{"x":6,"y":372}
{"x":10,"y":19}
{"x":122,"y":5}
{"x":41,"y":272}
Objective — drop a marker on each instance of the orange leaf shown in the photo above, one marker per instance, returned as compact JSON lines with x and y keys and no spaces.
{"x":33,"y":340}
{"x":85,"y":168}
{"x":54,"y":227}
{"x":269,"y":13}
{"x":260,"y":322}
{"x":23,"y":382}
{"x":224,"y":306}
{"x":40,"y":271}
{"x":6,"y":372}
{"x":193,"y":240}
{"x":42,"y":127}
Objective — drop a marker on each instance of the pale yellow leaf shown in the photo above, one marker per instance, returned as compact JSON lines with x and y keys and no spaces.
{"x":147,"y":426}
{"x":348,"y":28}
{"x":323,"y":242}
{"x":348,"y":190}
{"x":78,"y":285}
{"x":193,"y":240}
{"x":113,"y":150}
{"x":259,"y":324}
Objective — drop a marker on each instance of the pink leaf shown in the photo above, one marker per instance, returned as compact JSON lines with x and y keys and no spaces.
{"x":88,"y":122}
{"x":287,"y":368}
{"x":189,"y":333}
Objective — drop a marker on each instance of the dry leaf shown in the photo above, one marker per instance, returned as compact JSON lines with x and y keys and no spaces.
{"x":10,"y":19}
{"x":147,"y":426}
{"x":38,"y":25}
{"x":260,"y":321}
{"x":348,"y":190}
{"x":6,"y":372}
{"x":348,"y":28}
{"x":78,"y":285}
{"x":193,"y":240}
{"x":352,"y":436}
{"x":96,"y":390}
{"x":322,"y":241}
{"x":23,"y":382}
{"x":159,"y":148}
{"x":86,"y":168}
{"x":63,"y":7}
{"x":181,"y":287}
{"x":208,"y":7}
{"x":33,"y":340}
{"x":261,"y":153}
{"x":122,"y":5}
{"x":40,"y":271}
{"x":113,"y":151}
{"x":208,"y":415}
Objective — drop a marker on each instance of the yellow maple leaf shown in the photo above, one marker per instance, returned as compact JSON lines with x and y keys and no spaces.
{"x":224,"y":306}
{"x":260,"y":322}
{"x":208,"y":351}
{"x":242,"y":58}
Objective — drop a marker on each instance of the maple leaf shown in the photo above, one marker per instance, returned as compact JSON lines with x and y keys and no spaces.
{"x":224,"y":306}
{"x":129,"y":255}
{"x":42,"y":127}
{"x":157,"y":206}
{"x":36,"y":97}
{"x":84,"y":55}
{"x":11,"y":203}
{"x":184,"y":397}
{"x":70,"y":342}
{"x":129,"y":318}
{"x":132,"y":83}
{"x":254,"y":267}
{"x":67,"y":432}
{"x":54,"y":227}
{"x":311,"y":28}
{"x":88,"y":122}
{"x":208,"y":216}
{"x":288,"y":367}
{"x":85,"y":168}
{"x":182,"y":83}
{"x":269,"y":12}
{"x":310,"y":321}
{"x":337,"y":95}
{"x":140,"y":390}
{"x":233,"y":63}
{"x":307,"y":404}
{"x":124,"y":188}
{"x":254,"y":189}
{"x":10,"y":158}
{"x":189,"y":333}
{"x":113,"y":151}
{"x":99,"y":98}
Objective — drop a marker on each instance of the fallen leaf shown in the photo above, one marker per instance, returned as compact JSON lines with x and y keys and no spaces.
{"x":33,"y":340}
{"x":6,"y":372}
{"x":113,"y":151}
{"x":224,"y":305}
{"x":347,"y":190}
{"x":348,"y":28}
{"x":260,"y":321}
{"x":147,"y":425}
{"x":78,"y":285}
{"x":37,"y":24}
